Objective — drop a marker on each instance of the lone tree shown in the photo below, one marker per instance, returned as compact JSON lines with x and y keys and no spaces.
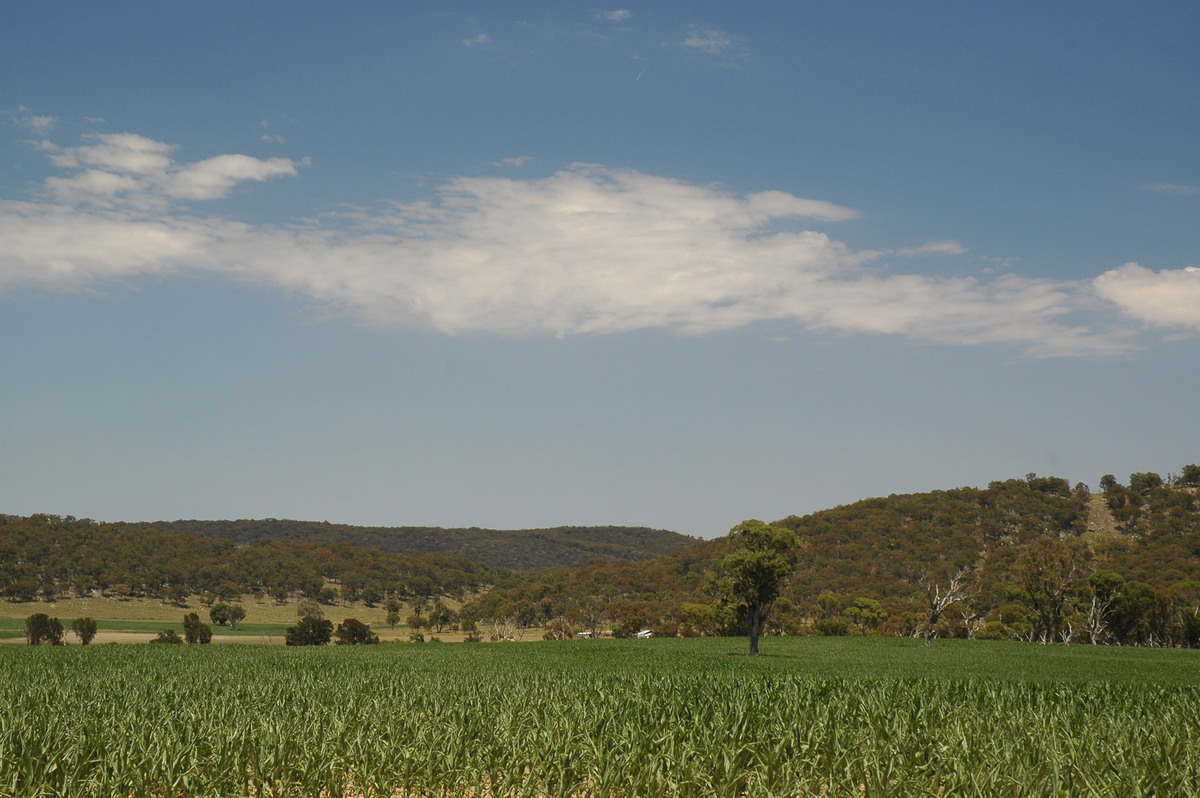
{"x":41,"y":628}
{"x":752,"y":574}
{"x":85,"y":629}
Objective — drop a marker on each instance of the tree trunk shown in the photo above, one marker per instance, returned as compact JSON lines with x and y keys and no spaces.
{"x":754,"y":622}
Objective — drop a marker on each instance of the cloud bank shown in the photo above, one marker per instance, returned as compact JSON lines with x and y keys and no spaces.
{"x":586,"y":250}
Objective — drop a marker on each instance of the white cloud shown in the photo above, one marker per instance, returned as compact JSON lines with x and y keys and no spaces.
{"x":213,"y":178}
{"x":709,"y":41}
{"x":1169,"y":298}
{"x":620,"y":15}
{"x":518,"y":161}
{"x":1169,"y":188}
{"x":587,"y":250}
{"x":482,"y":38}
{"x":132,"y":170}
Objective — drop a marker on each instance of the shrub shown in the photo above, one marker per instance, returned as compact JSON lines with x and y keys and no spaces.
{"x":353,"y":632}
{"x":309,"y":632}
{"x":196,"y":631}
{"x":832,"y":627}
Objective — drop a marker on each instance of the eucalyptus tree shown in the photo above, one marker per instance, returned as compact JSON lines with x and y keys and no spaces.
{"x":752,"y":574}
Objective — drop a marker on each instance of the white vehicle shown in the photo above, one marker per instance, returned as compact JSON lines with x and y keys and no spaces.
{"x":645,"y":633}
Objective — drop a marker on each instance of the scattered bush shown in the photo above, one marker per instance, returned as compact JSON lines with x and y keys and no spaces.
{"x":41,"y":628}
{"x":84,"y":629}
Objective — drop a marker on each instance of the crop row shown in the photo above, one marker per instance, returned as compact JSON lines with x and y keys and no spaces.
{"x":402,"y":721}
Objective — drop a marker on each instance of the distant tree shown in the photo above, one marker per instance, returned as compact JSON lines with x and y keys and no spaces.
{"x":237,"y":614}
{"x":558,"y":629}
{"x":309,"y":632}
{"x":371,"y":594}
{"x":440,"y":616}
{"x":1143,"y":483}
{"x":1190,"y":476}
{"x":1047,"y":571}
{"x":168,"y":636}
{"x":41,"y":628}
{"x":84,"y":629}
{"x":866,"y":613}
{"x":219,"y":613}
{"x":1108,"y":482}
{"x":752,"y":574}
{"x":175,"y":594}
{"x":392,"y":618}
{"x":195,"y":630}
{"x":309,"y":609}
{"x":353,"y":632}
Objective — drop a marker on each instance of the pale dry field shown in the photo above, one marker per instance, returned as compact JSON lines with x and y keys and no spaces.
{"x":109,"y":611}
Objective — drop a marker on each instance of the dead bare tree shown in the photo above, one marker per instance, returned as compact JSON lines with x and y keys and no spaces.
{"x":1097,"y":615}
{"x":939,"y":596}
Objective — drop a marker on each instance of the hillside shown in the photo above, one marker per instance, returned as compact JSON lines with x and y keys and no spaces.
{"x":518,"y":550}
{"x":1037,"y":559}
{"x":45,"y":556}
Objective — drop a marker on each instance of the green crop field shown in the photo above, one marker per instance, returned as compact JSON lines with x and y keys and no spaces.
{"x":695,"y":717}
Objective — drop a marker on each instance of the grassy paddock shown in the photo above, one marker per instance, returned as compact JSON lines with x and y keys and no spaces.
{"x":150,"y":616}
{"x":823,"y":716}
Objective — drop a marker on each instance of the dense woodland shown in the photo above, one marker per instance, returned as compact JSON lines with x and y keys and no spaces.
{"x":518,"y":550}
{"x":43,"y":556}
{"x":1027,"y":559}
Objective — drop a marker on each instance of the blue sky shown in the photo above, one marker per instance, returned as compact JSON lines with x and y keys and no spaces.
{"x":534,"y":264}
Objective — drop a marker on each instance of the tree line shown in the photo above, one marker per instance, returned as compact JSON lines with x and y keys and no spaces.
{"x":1022,"y":559}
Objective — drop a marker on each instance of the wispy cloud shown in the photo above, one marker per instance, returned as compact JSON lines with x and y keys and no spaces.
{"x":709,"y":41}
{"x":41,"y":124}
{"x":587,"y":250}
{"x":274,"y":138}
{"x":619,"y":15}
{"x":518,"y":161}
{"x":1169,"y":188}
{"x":24,"y":117}
{"x":482,"y":38}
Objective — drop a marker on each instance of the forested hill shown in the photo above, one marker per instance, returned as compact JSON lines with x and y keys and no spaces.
{"x":44,"y":556}
{"x":518,"y":550}
{"x":1025,"y":558}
